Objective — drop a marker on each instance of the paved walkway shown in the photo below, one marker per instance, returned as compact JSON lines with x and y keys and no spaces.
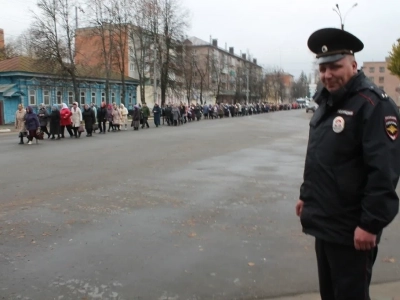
{"x":385,"y":291}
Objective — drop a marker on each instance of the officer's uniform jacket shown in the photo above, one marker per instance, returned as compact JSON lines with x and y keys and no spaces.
{"x":352,"y":164}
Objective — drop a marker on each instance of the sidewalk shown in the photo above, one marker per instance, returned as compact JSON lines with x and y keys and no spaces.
{"x":385,"y":291}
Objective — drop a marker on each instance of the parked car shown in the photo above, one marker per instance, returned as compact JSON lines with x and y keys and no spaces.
{"x":312,"y":106}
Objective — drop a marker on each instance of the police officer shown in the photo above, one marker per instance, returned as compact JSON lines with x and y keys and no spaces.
{"x":351,"y":171}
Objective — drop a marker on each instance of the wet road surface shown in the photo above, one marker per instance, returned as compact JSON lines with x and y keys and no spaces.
{"x":200,"y":211}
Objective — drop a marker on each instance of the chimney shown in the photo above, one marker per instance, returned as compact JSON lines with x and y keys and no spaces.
{"x":215,"y":42}
{"x":255,"y":61}
{"x":1,"y":39}
{"x":231,"y":50}
{"x":244,"y":56}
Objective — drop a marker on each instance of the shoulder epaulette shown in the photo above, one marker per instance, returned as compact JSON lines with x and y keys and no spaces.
{"x":378,"y":92}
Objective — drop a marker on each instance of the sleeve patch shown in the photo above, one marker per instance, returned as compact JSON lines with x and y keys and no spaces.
{"x":391,"y":126}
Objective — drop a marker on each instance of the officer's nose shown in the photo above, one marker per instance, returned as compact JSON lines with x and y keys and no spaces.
{"x":328,"y":74}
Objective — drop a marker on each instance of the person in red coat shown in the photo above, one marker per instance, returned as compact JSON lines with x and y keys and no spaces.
{"x":65,"y":120}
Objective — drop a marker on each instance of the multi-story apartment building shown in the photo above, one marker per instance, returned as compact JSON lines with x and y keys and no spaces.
{"x":219,"y":75}
{"x":223,"y":75}
{"x":379,"y":74}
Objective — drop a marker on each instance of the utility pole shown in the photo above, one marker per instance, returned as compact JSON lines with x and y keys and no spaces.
{"x":76,"y":17}
{"x":76,"y":14}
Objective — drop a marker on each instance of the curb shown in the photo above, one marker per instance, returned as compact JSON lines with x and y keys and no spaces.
{"x":5,"y":130}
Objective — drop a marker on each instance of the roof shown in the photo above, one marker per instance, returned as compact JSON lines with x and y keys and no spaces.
{"x":197,"y":42}
{"x":6,"y":87}
{"x":31,"y":65}
{"x":9,"y":90}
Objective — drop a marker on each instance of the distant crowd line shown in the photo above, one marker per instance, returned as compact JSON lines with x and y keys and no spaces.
{"x":90,"y":119}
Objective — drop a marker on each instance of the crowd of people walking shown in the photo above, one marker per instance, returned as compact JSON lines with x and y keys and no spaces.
{"x":75,"y":120}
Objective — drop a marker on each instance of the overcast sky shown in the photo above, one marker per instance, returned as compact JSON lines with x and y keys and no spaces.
{"x":273,"y":31}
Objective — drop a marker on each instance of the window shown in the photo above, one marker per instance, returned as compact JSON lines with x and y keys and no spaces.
{"x":381,"y":79}
{"x":82,"y":98}
{"x":131,"y":67}
{"x":112,"y":97}
{"x":70,"y":97}
{"x":46,"y":97}
{"x":130,"y":98}
{"x":381,"y":69}
{"x":371,"y":79}
{"x":59,"y":97}
{"x":32,"y":97}
{"x":372,"y":69}
{"x":103,"y":97}
{"x":93,"y":97}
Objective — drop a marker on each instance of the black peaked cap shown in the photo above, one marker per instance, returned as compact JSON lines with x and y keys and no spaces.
{"x":332,"y":44}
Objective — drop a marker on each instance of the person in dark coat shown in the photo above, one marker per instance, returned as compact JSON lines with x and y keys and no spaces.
{"x":197,"y":112}
{"x":89,"y":118}
{"x":43,"y":119}
{"x":32,"y":124}
{"x":145,"y":115}
{"x":55,"y":122}
{"x":157,"y":114}
{"x":102,"y":117}
{"x":352,"y":168}
{"x":136,"y":118}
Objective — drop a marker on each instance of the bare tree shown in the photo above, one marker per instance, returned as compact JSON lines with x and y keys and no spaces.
{"x":201,"y":65}
{"x":101,"y":34}
{"x":217,"y":63}
{"x":24,"y":44}
{"x":186,"y":68}
{"x":53,"y":34}
{"x":121,"y":36}
{"x":20,"y":46}
{"x":173,"y":23}
{"x":276,"y":85}
{"x":143,"y":23}
{"x":10,"y":50}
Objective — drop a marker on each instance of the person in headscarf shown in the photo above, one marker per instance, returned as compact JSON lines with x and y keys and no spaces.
{"x":175,"y":115}
{"x":124,"y":116}
{"x":116,"y":117}
{"x":32,"y":124}
{"x":93,"y":106}
{"x":110,"y":117}
{"x":102,"y":117}
{"x":156,"y":114}
{"x":55,"y":122}
{"x":89,"y":118}
{"x":43,"y":119}
{"x":65,"y":120}
{"x":20,"y":122}
{"x":136,"y":118}
{"x":76,"y":119}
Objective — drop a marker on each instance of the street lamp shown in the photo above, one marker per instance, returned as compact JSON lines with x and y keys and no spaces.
{"x":342,"y":20}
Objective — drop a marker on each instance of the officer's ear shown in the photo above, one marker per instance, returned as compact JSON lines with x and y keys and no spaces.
{"x":353,"y":63}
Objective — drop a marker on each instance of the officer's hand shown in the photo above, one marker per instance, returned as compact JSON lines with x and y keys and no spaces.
{"x":299,"y":207}
{"x":364,"y":240}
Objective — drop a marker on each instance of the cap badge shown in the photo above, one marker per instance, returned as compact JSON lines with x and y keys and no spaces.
{"x":324,"y":49}
{"x":338,"y":124}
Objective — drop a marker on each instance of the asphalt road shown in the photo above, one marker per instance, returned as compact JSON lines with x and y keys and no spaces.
{"x":200,"y":211}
